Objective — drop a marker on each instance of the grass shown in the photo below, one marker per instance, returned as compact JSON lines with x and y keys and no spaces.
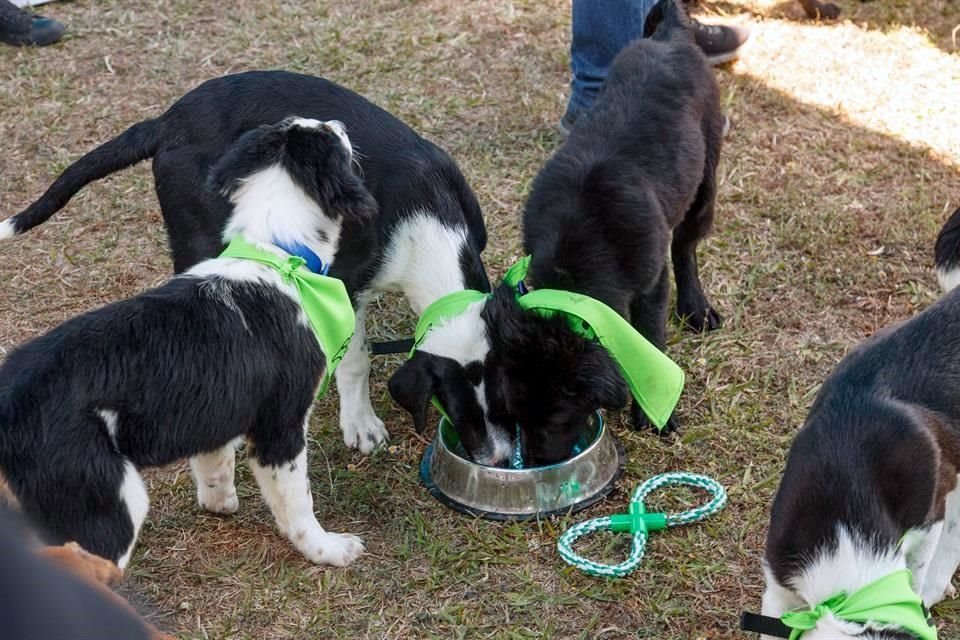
{"x":843,"y":162}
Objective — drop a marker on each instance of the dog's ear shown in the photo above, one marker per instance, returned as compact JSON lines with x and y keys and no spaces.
{"x":352,"y":200}
{"x":413,"y":385}
{"x":321,"y":166}
{"x":600,"y":380}
{"x":255,"y":150}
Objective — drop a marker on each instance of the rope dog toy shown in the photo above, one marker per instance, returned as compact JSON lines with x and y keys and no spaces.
{"x":640,"y":523}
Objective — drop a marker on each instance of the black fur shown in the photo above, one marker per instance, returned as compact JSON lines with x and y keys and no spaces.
{"x":639,"y":165}
{"x":539,"y":360}
{"x":403,"y":171}
{"x":880,"y":446}
{"x":947,"y":249}
{"x":184,"y":371}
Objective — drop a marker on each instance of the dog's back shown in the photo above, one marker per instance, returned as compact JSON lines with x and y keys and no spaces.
{"x":658,"y":110}
{"x":638,"y":163}
{"x":403,"y":171}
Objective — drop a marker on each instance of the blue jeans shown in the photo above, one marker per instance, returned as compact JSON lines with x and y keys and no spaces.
{"x":601,"y":28}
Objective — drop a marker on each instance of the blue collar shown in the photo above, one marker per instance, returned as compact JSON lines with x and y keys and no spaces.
{"x":314,"y":262}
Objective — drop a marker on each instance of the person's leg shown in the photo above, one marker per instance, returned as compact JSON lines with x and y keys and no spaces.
{"x":601,"y":28}
{"x":21,"y":28}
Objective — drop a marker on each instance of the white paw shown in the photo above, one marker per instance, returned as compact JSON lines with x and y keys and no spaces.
{"x":337,"y":549}
{"x":218,"y":500}
{"x":950,"y":591}
{"x":363,"y":430}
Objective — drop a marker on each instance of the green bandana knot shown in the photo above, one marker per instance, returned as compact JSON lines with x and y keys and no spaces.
{"x":889,"y":601}
{"x":288,"y":268}
{"x":323,"y":299}
{"x":802,"y":621}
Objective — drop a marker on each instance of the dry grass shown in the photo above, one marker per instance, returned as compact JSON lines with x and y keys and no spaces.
{"x":845,"y":141}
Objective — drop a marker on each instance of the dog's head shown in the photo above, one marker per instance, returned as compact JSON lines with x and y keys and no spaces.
{"x":550,"y":380}
{"x":292,"y":179}
{"x":844,"y":560}
{"x":453,"y":365}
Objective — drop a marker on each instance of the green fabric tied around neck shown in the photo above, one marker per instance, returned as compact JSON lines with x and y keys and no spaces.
{"x":889,"y":601}
{"x":323,"y":299}
{"x":654,"y":379}
{"x":440,"y":310}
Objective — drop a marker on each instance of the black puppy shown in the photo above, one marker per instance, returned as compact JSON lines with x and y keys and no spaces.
{"x":430,"y":230}
{"x":638,"y":167}
{"x":220,"y":352}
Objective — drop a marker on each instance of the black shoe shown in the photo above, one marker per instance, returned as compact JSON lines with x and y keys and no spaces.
{"x":720,"y":43}
{"x":21,"y":29}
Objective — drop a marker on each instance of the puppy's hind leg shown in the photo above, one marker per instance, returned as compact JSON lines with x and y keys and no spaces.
{"x":361,"y":427}
{"x":692,"y":305}
{"x":278,"y":459}
{"x":95,"y":498}
{"x":213,"y":472}
{"x":946,"y":558}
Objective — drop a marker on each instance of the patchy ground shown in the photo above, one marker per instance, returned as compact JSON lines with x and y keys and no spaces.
{"x":843,"y":161}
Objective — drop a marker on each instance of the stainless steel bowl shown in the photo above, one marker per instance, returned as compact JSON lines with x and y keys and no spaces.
{"x":519,"y":494}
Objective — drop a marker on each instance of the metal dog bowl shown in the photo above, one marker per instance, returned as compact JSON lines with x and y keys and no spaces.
{"x":519,"y":494}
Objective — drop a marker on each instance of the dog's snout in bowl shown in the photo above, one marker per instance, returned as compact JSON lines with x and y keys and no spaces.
{"x":509,"y":493}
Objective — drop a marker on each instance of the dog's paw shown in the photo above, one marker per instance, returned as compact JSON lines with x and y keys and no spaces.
{"x":337,"y":549}
{"x":218,"y":500}
{"x":640,"y":422}
{"x":950,"y":591}
{"x":363,"y":430}
{"x":700,"y":320}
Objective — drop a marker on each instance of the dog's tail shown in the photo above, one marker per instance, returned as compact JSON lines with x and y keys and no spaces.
{"x":137,"y":143}
{"x":665,"y":19}
{"x":947,"y":253}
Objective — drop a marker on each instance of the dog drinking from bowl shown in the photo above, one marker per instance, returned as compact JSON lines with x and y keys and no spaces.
{"x":429,"y":234}
{"x":227,"y":349}
{"x":638,"y":168}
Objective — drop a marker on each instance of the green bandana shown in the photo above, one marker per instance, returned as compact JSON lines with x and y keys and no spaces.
{"x":888,"y":601}
{"x":654,"y":380}
{"x":323,"y":299}
{"x":440,"y":310}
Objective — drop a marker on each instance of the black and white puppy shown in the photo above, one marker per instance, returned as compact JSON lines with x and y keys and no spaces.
{"x":219,"y":352}
{"x":870,"y":485}
{"x":638,"y":169}
{"x":430,"y":231}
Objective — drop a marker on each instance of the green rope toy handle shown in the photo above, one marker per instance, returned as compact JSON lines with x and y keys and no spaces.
{"x":638,"y":522}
